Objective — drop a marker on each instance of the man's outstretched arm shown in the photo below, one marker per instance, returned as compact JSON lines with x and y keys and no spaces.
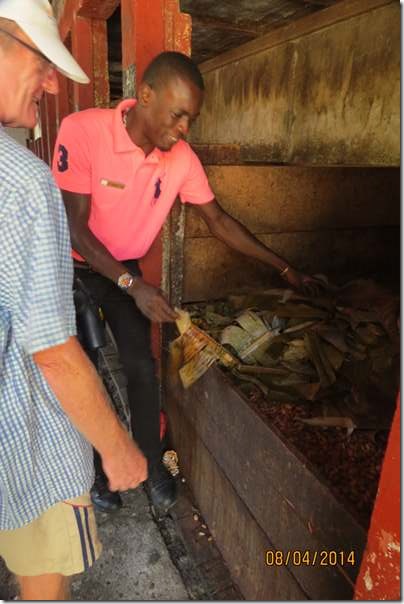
{"x":235,"y":235}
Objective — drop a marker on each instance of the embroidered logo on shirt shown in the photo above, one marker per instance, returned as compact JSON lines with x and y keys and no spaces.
{"x":63,"y":163}
{"x":157,"y":188}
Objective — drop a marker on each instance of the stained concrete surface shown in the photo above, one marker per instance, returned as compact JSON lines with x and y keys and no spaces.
{"x":135,"y":563}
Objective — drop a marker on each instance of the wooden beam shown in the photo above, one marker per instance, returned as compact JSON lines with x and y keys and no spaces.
{"x":100,"y":63}
{"x":70,"y":9}
{"x":237,"y":534}
{"x":62,"y":100}
{"x":307,"y":519}
{"x":82,"y":50}
{"x":223,"y":25}
{"x":178,"y":28}
{"x":296,"y":29}
{"x":98,"y":9}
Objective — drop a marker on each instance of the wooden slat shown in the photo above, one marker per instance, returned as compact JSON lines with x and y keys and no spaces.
{"x":241,"y":541}
{"x":296,"y":29}
{"x":265,"y":472}
{"x":100,"y":66}
{"x":82,"y":50}
{"x":98,"y":9}
{"x":226,"y":154}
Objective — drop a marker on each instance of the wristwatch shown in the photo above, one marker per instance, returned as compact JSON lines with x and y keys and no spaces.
{"x":125,"y":281}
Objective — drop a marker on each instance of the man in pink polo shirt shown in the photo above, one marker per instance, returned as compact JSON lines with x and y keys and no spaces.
{"x":120,"y":171}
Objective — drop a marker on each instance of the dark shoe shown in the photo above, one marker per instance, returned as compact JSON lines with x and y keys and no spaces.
{"x":103,"y":499}
{"x":161,"y":488}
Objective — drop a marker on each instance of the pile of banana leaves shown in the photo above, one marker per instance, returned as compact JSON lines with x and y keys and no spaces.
{"x":338,"y":352}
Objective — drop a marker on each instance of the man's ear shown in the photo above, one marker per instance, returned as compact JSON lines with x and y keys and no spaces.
{"x":145,"y":94}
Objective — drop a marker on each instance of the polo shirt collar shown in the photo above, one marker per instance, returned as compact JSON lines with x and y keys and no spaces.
{"x":122,"y":140}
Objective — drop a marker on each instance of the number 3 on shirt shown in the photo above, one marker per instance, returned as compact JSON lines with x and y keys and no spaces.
{"x":63,"y":164}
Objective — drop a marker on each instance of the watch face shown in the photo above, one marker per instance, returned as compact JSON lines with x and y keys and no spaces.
{"x":125,"y":280}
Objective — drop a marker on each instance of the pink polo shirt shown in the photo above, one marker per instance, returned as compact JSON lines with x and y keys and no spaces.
{"x":131,"y":194}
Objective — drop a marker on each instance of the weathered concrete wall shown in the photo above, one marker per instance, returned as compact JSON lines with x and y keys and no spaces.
{"x":328,"y":96}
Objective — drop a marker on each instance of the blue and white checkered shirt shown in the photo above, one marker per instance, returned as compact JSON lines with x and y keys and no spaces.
{"x":43,"y":458}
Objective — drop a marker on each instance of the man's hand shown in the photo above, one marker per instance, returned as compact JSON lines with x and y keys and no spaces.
{"x":152,"y":302}
{"x":303,"y":283}
{"x":126,"y":466}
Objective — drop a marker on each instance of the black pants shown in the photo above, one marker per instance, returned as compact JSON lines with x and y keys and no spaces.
{"x":131,"y":330}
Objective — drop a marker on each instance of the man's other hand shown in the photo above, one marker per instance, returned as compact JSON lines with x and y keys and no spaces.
{"x":305,"y":284}
{"x":152,"y":302}
{"x":126,"y":466}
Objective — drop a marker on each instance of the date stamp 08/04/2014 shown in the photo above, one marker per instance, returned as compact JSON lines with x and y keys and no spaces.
{"x":276,"y":557}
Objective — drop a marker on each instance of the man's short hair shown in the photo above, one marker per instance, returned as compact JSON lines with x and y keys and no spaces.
{"x":170,"y":65}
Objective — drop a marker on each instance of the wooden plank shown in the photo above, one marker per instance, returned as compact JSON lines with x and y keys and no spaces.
{"x":100,"y":67}
{"x":51,"y":110}
{"x":341,"y":254}
{"x":98,"y":9}
{"x":232,"y":154}
{"x":239,"y":538}
{"x":296,"y":29}
{"x":230,"y":593}
{"x":62,"y":100}
{"x":309,"y":519}
{"x":218,"y":577}
{"x":273,"y":199}
{"x":178,"y":28}
{"x":68,"y":11}
{"x":82,"y":50}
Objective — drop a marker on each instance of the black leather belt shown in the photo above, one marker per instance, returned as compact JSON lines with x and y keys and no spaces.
{"x":81,"y":264}
{"x":132,"y":265}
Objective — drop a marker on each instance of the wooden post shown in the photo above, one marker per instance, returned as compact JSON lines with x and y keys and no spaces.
{"x":82,"y":50}
{"x":100,"y":63}
{"x":149,"y":28}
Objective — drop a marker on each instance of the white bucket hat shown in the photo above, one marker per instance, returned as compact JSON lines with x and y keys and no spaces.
{"x":36,"y":19}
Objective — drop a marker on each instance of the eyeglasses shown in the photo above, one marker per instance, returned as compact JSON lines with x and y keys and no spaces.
{"x":31,"y":48}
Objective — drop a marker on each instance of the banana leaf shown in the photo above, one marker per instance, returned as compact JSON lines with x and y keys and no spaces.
{"x":175,"y":362}
{"x":253,"y":380}
{"x":301,"y":311}
{"x":370,"y":334}
{"x":334,"y":356}
{"x":193,"y":341}
{"x":319,"y":359}
{"x":330,"y":422}
{"x":295,"y":326}
{"x":295,"y":350}
{"x":258,"y":369}
{"x":357,"y":316}
{"x":197,"y":366}
{"x":250,"y":340}
{"x":305,"y":368}
{"x":251,"y":323}
{"x":183,"y":321}
{"x":236,"y":337}
{"x":332,"y":335}
{"x":217,"y":320}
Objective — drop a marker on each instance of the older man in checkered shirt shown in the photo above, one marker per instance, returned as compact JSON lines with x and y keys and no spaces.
{"x":52,"y":404}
